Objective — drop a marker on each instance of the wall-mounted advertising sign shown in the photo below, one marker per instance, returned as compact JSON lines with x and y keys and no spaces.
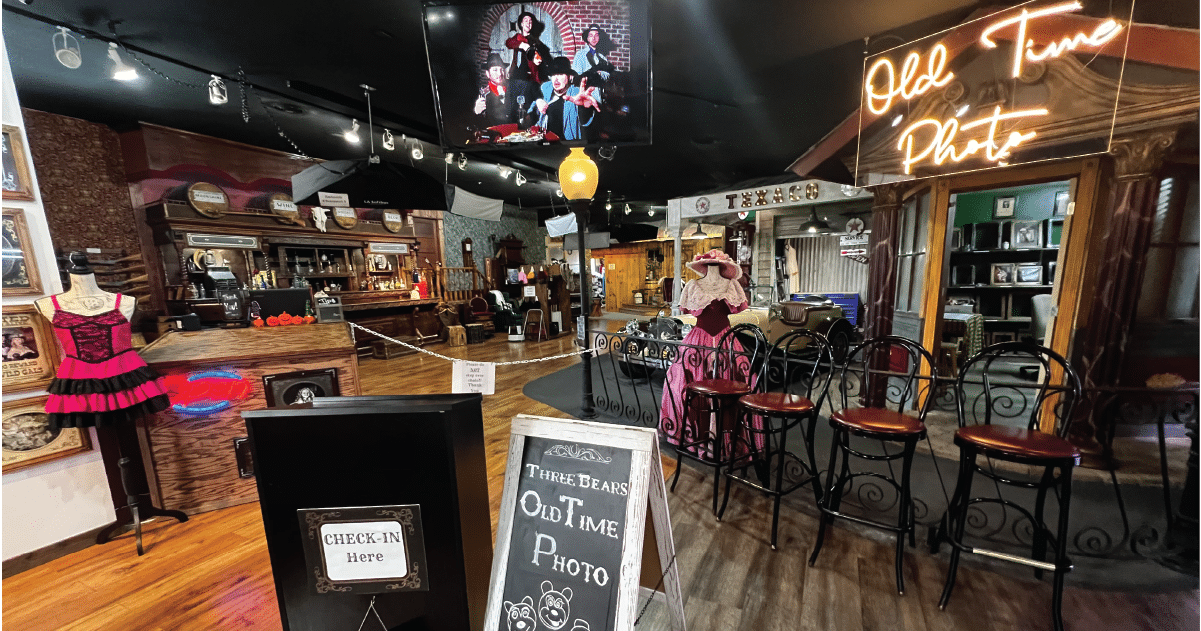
{"x":1035,"y":82}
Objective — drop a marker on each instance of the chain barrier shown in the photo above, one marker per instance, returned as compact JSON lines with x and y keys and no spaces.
{"x":460,"y":359}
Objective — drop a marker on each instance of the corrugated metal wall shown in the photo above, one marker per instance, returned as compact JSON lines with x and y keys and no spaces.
{"x":824,"y":271}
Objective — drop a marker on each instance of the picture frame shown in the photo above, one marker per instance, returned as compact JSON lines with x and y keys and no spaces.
{"x":512,"y":276}
{"x":1028,"y":274}
{"x":1054,"y":233}
{"x":405,"y":539}
{"x":29,"y":353}
{"x":1060,"y":208}
{"x":985,"y":236}
{"x":28,"y":439}
{"x":17,"y":180}
{"x":18,"y":274}
{"x":1001,"y":274}
{"x":996,"y":337}
{"x":956,"y":239}
{"x":963,"y":275}
{"x":1004,"y":207}
{"x":1049,"y":279}
{"x":293,"y":388}
{"x":1027,"y":235}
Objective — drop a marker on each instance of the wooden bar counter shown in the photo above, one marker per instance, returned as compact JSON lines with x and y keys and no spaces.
{"x":189,"y":450}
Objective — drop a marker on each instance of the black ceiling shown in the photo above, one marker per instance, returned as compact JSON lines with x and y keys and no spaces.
{"x":740,"y":88}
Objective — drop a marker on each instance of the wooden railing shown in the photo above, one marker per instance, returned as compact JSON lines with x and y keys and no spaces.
{"x":460,"y":284}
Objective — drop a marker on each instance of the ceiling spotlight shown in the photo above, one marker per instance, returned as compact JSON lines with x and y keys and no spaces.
{"x":450,"y":157}
{"x":897,"y":121}
{"x":519,"y":179}
{"x":121,"y":70}
{"x":389,"y":142}
{"x":462,"y":162}
{"x":417,"y":153}
{"x":352,"y":135}
{"x":650,"y":212}
{"x":504,"y":171}
{"x":628,"y":209}
{"x":66,"y":48}
{"x":609,"y":201}
{"x":218,"y":95}
{"x":961,"y":111}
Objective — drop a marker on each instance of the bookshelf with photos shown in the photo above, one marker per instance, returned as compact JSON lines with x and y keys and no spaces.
{"x":1003,"y":251}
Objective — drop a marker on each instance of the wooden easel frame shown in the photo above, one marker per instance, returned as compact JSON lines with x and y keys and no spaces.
{"x":646,"y":488}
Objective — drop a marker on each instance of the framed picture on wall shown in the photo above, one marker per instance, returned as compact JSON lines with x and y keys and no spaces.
{"x":1002,"y":274}
{"x":19,"y":270}
{"x":29,"y":439}
{"x":1028,"y":274}
{"x":300,"y":387}
{"x":1004,"y":207}
{"x":1027,"y":235}
{"x":30,"y":353}
{"x":1061,"y":204}
{"x":17,"y":183}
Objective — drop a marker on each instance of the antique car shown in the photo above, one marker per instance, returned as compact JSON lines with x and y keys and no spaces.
{"x":639,"y":355}
{"x":813,"y":313}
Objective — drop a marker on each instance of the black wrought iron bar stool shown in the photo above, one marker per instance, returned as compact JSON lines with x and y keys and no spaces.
{"x":992,"y":382}
{"x":711,"y":405}
{"x":885,"y":369}
{"x":801,"y":364}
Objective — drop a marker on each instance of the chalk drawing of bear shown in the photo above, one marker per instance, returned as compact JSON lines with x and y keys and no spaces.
{"x":554,"y":606}
{"x":581,"y":625}
{"x":521,"y":615}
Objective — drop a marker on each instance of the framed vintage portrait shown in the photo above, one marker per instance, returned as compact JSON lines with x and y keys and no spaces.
{"x":1061,"y":204}
{"x":19,"y":270}
{"x":29,"y":439}
{"x":30,"y":352}
{"x":1002,"y":274}
{"x":1027,"y":235}
{"x":17,"y":183}
{"x":1028,"y":274}
{"x":1004,"y":207}
{"x":293,"y":388}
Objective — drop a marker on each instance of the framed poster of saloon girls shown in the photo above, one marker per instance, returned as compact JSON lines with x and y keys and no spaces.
{"x":18,"y":271}
{"x":29,"y":354}
{"x":17,"y":182}
{"x":29,"y":439}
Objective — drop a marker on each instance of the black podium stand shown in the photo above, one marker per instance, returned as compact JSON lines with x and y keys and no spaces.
{"x":348,"y":452}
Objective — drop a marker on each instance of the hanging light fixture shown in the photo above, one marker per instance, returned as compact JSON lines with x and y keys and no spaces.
{"x":650,"y":212}
{"x":417,"y":153}
{"x":504,"y":171}
{"x":628,"y":209}
{"x":121,"y":70}
{"x":578,"y":175}
{"x":389,"y":141}
{"x":66,"y":48}
{"x":519,"y":179}
{"x":609,"y":200}
{"x":700,"y":232}
{"x":352,"y":135}
{"x":218,"y":95}
{"x":815,"y":225}
{"x":450,"y":157}
{"x":462,"y":162}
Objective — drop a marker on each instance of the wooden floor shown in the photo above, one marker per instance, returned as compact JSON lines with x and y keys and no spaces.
{"x":213,"y":571}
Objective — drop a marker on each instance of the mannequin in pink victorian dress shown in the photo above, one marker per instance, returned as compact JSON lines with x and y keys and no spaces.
{"x":712,"y":298}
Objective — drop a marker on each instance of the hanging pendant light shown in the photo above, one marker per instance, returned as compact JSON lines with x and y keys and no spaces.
{"x":66,"y":48}
{"x":815,"y":225}
{"x":450,"y":158}
{"x":519,"y":179}
{"x":352,"y":135}
{"x":121,"y":70}
{"x":218,"y":95}
{"x":462,"y":162}
{"x":389,"y":141}
{"x":700,"y":232}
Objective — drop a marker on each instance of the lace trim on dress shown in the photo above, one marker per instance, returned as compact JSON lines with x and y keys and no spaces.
{"x":696,"y":297}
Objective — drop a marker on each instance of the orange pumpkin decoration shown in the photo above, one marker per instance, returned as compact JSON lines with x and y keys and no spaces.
{"x":258,"y":322}
{"x":285,"y":319}
{"x":272,"y":321}
{"x":309,"y":319}
{"x":296,"y":320}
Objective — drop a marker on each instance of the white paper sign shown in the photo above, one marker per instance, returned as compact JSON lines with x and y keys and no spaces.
{"x":333,"y":199}
{"x":529,"y":291}
{"x":356,"y":551}
{"x":283,"y":204}
{"x":212,"y":197}
{"x":345,"y":212}
{"x":391,"y":216}
{"x":473,"y":377}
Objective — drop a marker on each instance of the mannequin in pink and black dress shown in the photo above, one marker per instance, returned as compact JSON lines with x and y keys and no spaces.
{"x":712,"y":298}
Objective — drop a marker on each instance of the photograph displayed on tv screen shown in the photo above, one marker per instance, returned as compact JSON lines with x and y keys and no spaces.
{"x":543,"y":73}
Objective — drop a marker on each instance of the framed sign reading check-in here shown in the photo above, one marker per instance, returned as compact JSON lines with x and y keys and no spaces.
{"x":569,"y":545}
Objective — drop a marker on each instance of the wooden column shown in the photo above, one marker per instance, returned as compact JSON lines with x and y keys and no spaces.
{"x":1101,"y":346}
{"x":882,"y":279}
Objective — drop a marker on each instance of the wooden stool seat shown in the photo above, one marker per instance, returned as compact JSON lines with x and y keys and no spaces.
{"x":777,"y":403}
{"x":719,"y":388}
{"x":456,"y":336}
{"x":878,"y":421}
{"x":1017,"y":442}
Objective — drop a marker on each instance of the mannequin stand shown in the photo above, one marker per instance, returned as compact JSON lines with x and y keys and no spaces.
{"x":114,"y":445}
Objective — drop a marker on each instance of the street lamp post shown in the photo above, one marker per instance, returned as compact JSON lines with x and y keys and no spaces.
{"x":578,"y":178}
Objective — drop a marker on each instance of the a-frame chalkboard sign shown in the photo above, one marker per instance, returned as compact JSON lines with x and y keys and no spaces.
{"x":569,"y":547}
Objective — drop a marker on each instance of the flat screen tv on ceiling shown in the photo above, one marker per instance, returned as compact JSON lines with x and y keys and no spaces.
{"x":508,"y":75}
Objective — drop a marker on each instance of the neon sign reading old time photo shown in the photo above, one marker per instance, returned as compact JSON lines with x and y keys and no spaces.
{"x":993,"y":136}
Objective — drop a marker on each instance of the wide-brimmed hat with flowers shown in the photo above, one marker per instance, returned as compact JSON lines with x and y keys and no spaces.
{"x":701,"y":263}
